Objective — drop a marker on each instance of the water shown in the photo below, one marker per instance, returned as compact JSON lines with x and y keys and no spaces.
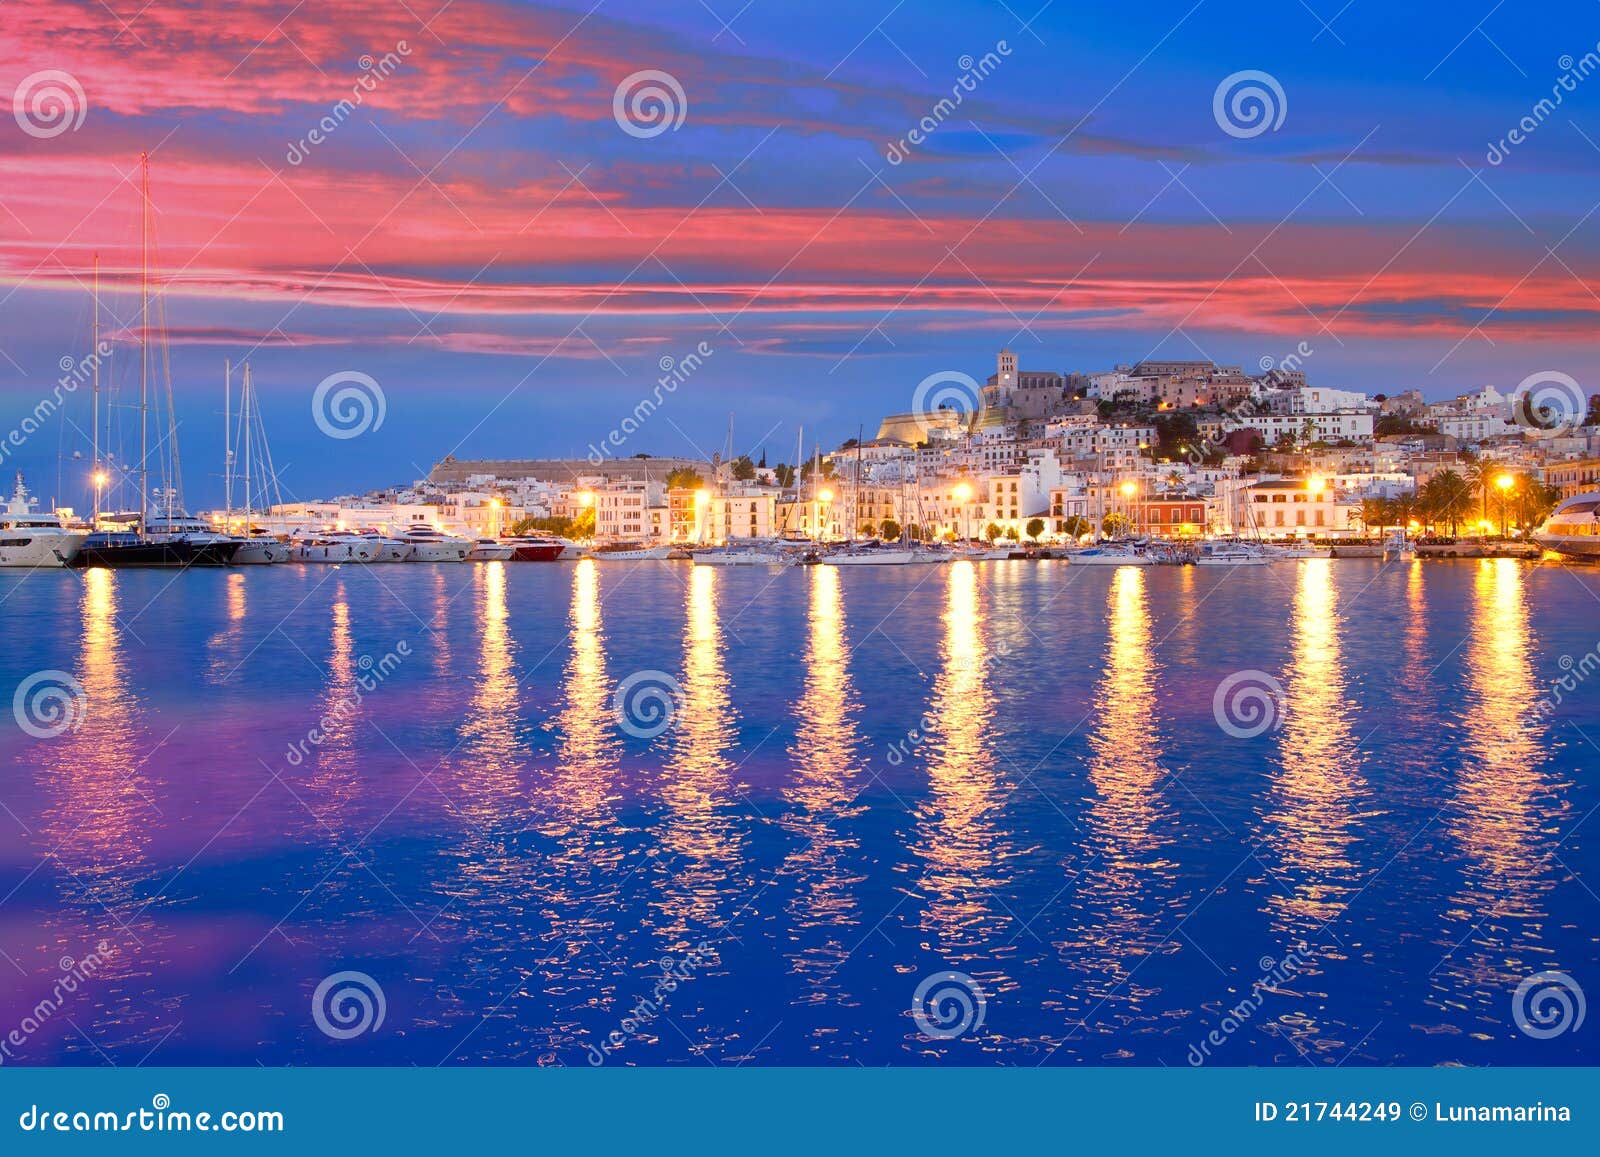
{"x":1010,"y":771}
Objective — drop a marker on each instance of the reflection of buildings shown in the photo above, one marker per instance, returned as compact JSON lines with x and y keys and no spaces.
{"x":491,"y":754}
{"x":960,"y":843}
{"x":823,"y":796}
{"x":1313,"y":796}
{"x":1124,"y":892}
{"x":1504,"y":818}
{"x":703,"y":845}
{"x":98,"y":775}
{"x":1313,"y":804}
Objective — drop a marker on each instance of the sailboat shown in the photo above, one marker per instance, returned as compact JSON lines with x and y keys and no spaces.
{"x":169,"y":538}
{"x":257,"y":546}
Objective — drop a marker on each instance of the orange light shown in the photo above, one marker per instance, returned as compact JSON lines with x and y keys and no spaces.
{"x":585,"y":497}
{"x":1505,"y":482}
{"x":823,"y":495}
{"x":1129,"y":489}
{"x":963,"y":493}
{"x":99,"y":479}
{"x":701,"y":498}
{"x":1317,"y":484}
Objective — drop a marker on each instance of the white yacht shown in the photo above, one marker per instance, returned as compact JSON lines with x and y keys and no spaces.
{"x":260,"y":548}
{"x":1399,"y":548}
{"x":625,"y":552}
{"x":739,"y":556}
{"x":1236,"y":554}
{"x":384,"y":548}
{"x":29,"y":539}
{"x":868,"y":554}
{"x":1109,"y":554}
{"x":1573,"y":527}
{"x":429,"y":544}
{"x":332,"y":548}
{"x":490,"y":550}
{"x":1298,"y":550}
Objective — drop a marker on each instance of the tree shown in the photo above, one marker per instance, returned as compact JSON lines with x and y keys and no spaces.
{"x":684,"y":478}
{"x":1376,"y":513}
{"x":1114,"y":524}
{"x":1011,"y":533}
{"x":992,"y":531}
{"x":1174,"y":479}
{"x":869,"y":529}
{"x":1035,"y":528}
{"x":916,"y":533}
{"x":890,"y":528}
{"x":784,"y":474}
{"x":744,"y":470}
{"x":1076,"y":526}
{"x":1446,"y":497}
{"x":1480,"y":476}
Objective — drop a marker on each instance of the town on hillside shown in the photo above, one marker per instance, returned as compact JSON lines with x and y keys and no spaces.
{"x":1162,"y":449}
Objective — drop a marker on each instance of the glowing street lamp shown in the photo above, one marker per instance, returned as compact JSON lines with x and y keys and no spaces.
{"x":494,"y":505}
{"x":1316,"y":484}
{"x":963,"y":495}
{"x":1129,"y":489}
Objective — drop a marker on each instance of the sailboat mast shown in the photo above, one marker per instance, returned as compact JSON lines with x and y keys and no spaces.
{"x":94,"y":468}
{"x":144,"y":340}
{"x":246,"y":404}
{"x":227,"y":442}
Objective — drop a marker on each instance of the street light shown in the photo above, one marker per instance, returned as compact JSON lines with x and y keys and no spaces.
{"x":1505,"y":483}
{"x":963,"y":495}
{"x":823,"y":495}
{"x":1129,"y":489}
{"x":494,"y":505}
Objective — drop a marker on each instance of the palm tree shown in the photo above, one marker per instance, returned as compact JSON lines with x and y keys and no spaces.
{"x":1174,"y":479}
{"x":1480,"y":475}
{"x":1446,"y":497}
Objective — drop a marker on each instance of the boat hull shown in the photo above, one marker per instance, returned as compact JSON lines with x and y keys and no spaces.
{"x":869,"y":558}
{"x":490,"y":554}
{"x":173,"y":554}
{"x":261,"y":553}
{"x":649,"y":554}
{"x":537,"y":552}
{"x":1573,"y":546}
{"x":21,"y":549}
{"x":437,"y":552}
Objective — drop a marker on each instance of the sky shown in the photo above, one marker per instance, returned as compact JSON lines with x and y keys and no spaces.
{"x":507,"y":249}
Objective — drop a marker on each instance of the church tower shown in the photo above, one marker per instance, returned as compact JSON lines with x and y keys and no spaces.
{"x":1006,"y":373}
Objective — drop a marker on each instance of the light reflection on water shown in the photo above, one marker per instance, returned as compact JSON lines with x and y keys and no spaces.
{"x":519,"y":863}
{"x":822,"y":801}
{"x":1503,"y":815}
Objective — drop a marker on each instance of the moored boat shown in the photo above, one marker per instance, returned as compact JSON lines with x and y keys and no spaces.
{"x":33,"y":540}
{"x":1110,"y":554}
{"x":1573,"y":528}
{"x":429,"y":544}
{"x":532,"y":548}
{"x":630,"y":552}
{"x":490,"y":550}
{"x":739,"y":556}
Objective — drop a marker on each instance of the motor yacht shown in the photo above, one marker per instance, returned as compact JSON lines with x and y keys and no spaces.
{"x":1109,"y":554}
{"x":1573,"y":528}
{"x":30,"y":540}
{"x":532,"y":548}
{"x":739,"y":556}
{"x":630,"y":552}
{"x":430,"y":544}
{"x":490,"y":550}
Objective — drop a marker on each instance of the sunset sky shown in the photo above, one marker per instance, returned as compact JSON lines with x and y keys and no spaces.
{"x":484,"y":239}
